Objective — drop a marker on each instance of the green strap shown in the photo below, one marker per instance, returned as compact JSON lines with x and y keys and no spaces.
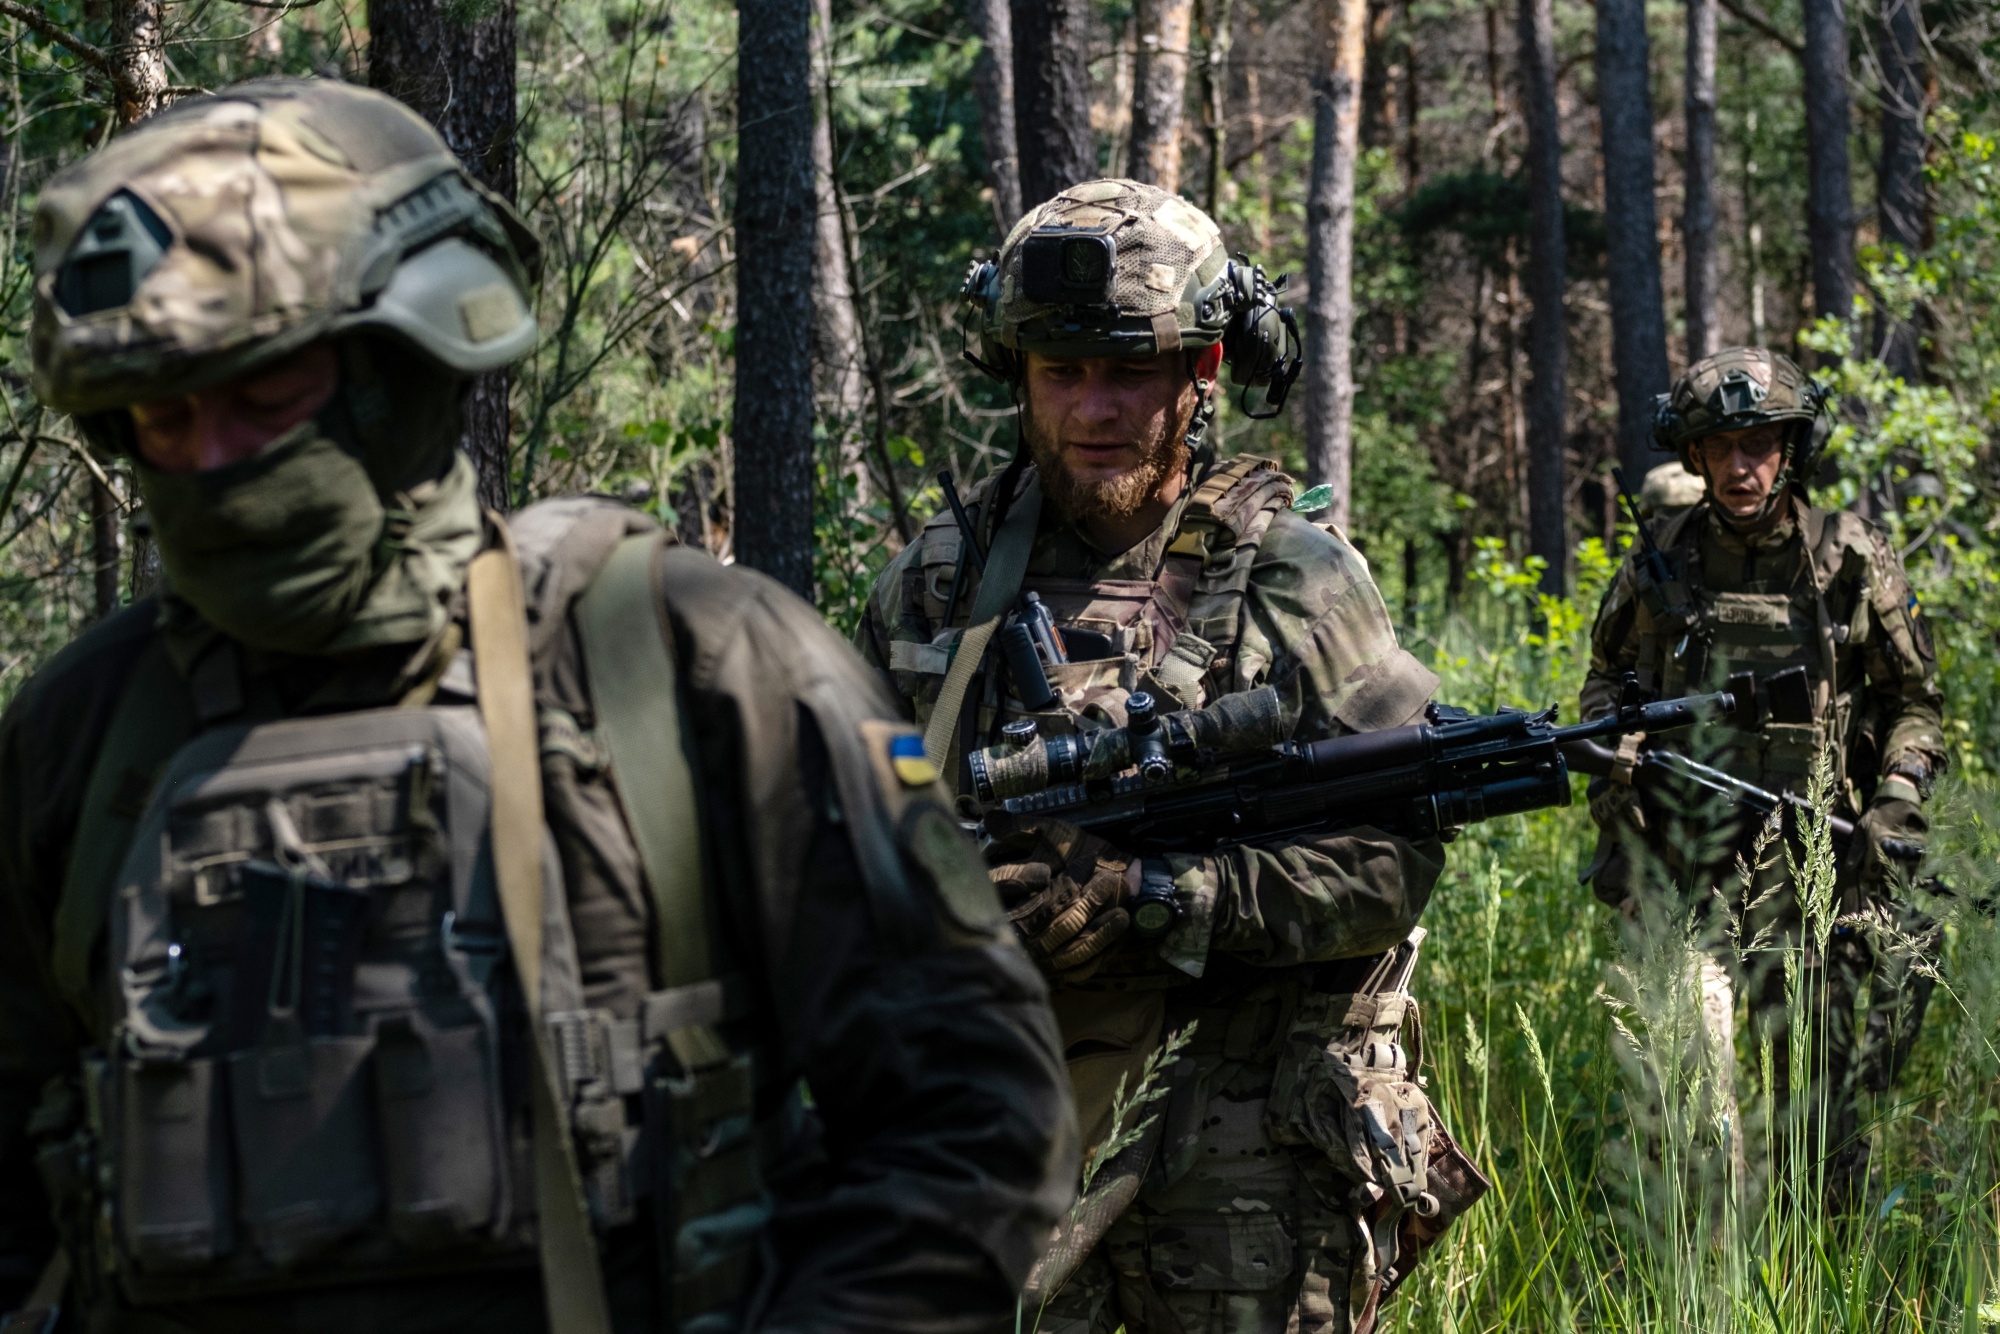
{"x":1006,"y":564}
{"x":639,"y":719}
{"x":155,"y":715}
{"x":572,"y":1281}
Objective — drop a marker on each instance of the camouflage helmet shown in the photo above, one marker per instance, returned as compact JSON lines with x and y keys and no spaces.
{"x":233,"y":229}
{"x":1117,"y":268}
{"x":1740,"y":388}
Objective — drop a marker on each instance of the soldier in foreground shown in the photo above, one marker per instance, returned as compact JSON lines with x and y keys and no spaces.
{"x":420,"y":921}
{"x":1161,"y":570}
{"x":1758,"y":579}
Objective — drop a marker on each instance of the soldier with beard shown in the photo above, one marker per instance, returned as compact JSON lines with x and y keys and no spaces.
{"x":1110,"y":312}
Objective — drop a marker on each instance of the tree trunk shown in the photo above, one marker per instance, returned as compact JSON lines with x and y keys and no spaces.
{"x":837,"y":352}
{"x":1902,"y":203}
{"x":1632,"y":260}
{"x":1058,"y":148}
{"x":139,"y":91}
{"x":771,"y":425}
{"x":458,"y":73}
{"x":1330,"y":256}
{"x":1412,"y":101}
{"x":1698,"y":221}
{"x":993,"y":81}
{"x":1159,"y":91}
{"x":1548,"y":341}
{"x":1829,"y":195}
{"x":1215,"y":98}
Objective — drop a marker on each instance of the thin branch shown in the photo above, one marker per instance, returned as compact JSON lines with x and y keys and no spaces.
{"x":1747,"y":11}
{"x":37,"y":22}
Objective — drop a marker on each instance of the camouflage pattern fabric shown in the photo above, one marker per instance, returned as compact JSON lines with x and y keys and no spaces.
{"x":1232,"y":1232}
{"x":1819,"y":589}
{"x":232,"y":229}
{"x":1165,"y":283}
{"x":1733,"y":390}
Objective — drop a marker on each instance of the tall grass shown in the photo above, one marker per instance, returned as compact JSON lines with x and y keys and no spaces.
{"x":1645,"y":1178}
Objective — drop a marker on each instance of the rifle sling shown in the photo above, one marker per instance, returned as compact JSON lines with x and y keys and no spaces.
{"x":572,"y":1283}
{"x":1006,"y":565}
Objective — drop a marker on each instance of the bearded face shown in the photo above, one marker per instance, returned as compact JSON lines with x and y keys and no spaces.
{"x":1107,"y":434}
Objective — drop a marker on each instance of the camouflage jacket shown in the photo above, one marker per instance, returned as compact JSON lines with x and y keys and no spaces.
{"x":1294,"y":606}
{"x":1823,"y":590}
{"x":941,"y":1148}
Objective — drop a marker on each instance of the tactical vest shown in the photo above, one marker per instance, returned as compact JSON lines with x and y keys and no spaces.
{"x":1766,"y":633}
{"x":318,"y":1063}
{"x":1173,"y":635}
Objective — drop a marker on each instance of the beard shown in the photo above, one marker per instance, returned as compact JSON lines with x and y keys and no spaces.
{"x":1077,"y":500}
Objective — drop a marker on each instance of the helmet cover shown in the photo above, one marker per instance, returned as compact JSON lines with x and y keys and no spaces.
{"x":232,"y":229}
{"x":1108,"y":268}
{"x":1737,"y":389}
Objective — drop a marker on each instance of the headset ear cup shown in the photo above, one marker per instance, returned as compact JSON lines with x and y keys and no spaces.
{"x":1666,"y":422}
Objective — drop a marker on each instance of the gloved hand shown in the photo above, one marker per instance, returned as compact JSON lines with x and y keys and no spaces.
{"x":1889,"y":816}
{"x":1064,"y":891}
{"x":1616,"y":806}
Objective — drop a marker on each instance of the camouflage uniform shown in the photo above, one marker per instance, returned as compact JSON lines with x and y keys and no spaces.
{"x":201,"y":1174}
{"x":1232,"y":1233}
{"x":1818,"y":590}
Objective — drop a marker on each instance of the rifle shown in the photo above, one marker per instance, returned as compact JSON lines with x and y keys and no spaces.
{"x":1201,"y":779}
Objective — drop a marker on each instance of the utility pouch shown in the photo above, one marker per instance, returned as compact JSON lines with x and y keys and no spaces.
{"x":441,"y":1131}
{"x":1347,"y":1087}
{"x":305,"y":949}
{"x":708,"y":1191}
{"x":305,"y":1134}
{"x":174,"y":1181}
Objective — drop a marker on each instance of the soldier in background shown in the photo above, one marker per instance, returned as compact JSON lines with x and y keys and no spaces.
{"x":1668,"y":490}
{"x":422,"y":921}
{"x":1762,"y":580}
{"x":1110,"y":312}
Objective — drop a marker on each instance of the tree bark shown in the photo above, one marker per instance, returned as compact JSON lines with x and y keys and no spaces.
{"x":1058,"y":148}
{"x":1631,"y":225}
{"x":1215,"y":98}
{"x":1548,"y":340}
{"x":1829,"y":193}
{"x":1698,"y":219}
{"x":1902,"y":203}
{"x":837,"y":352}
{"x":1159,"y":91}
{"x":771,"y":425}
{"x":138,"y":90}
{"x":459,"y":75}
{"x":1330,"y":255}
{"x":993,"y":82}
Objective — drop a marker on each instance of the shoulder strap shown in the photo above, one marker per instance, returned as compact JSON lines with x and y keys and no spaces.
{"x":1006,"y":565}
{"x":572,"y":1283}
{"x":155,"y":714}
{"x":632,"y":686}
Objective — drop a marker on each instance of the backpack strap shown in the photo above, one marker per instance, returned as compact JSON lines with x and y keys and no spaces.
{"x":1207,"y":570}
{"x":572,"y":1283}
{"x":709,"y":1205}
{"x":154,"y":716}
{"x":632,"y":686}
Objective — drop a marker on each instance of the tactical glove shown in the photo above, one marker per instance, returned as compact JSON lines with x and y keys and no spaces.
{"x":1889,"y":816}
{"x":1616,"y":806}
{"x":1064,"y":892}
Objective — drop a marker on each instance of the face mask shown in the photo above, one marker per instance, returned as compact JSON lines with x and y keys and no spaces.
{"x":292,"y":551}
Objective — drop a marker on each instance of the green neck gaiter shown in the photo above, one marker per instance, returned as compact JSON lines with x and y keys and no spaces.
{"x":292,"y":551}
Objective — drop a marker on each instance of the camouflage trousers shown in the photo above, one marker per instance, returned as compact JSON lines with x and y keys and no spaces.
{"x":1247,"y":1238}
